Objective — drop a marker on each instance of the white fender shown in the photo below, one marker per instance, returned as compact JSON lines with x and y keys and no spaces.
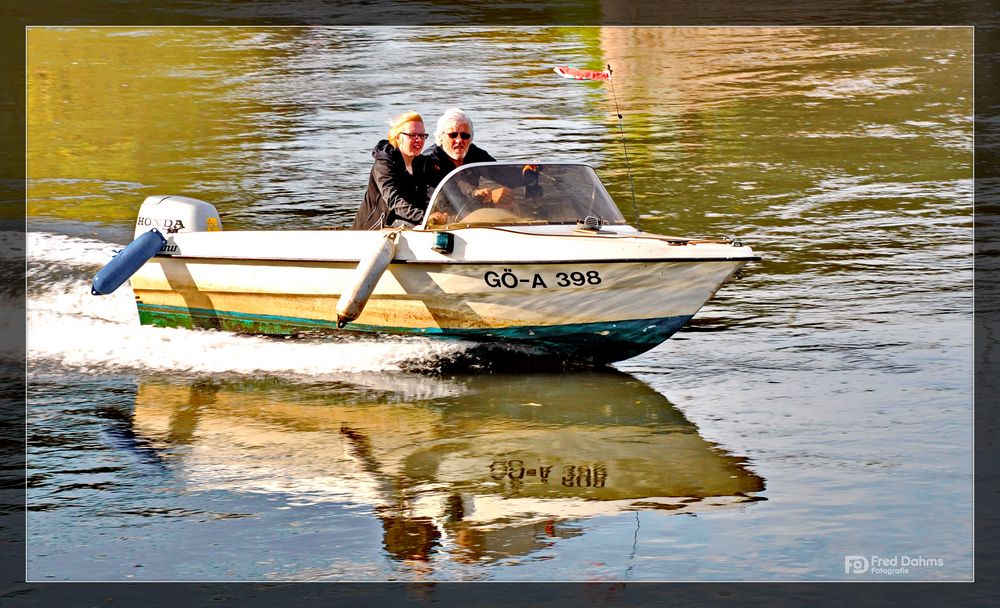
{"x":366,"y":276}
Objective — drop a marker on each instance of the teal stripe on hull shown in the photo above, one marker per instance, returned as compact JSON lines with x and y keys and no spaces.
{"x":597,"y":342}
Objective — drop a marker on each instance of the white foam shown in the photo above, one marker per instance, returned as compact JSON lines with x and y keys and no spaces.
{"x":75,"y":251}
{"x":68,"y":326}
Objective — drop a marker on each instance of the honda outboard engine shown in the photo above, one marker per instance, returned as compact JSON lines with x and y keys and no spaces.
{"x":172,"y":214}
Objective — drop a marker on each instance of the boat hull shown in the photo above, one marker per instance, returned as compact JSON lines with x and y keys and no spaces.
{"x":594,"y":311}
{"x":601,"y":342}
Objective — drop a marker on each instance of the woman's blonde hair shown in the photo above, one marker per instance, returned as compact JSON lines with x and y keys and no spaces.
{"x":396,"y":125}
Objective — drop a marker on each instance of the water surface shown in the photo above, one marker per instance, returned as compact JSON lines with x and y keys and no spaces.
{"x":818,"y":408}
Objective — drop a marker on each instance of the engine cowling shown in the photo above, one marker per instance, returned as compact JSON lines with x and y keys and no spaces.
{"x":171,"y":214}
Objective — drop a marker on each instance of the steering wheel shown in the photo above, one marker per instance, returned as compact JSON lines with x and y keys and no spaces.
{"x":489,"y":214}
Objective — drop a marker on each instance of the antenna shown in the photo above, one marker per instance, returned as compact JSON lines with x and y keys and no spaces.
{"x":628,"y":168}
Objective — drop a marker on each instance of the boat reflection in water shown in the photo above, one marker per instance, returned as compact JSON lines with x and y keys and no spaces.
{"x":471,"y":468}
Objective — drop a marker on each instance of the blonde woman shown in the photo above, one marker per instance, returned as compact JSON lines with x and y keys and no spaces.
{"x":397,"y":186}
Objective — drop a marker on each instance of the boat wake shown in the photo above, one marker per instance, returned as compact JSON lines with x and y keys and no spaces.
{"x":70,"y":328}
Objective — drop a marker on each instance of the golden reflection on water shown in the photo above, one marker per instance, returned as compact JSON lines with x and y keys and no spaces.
{"x":727,"y":121}
{"x":124,"y":112}
{"x":274,"y":125}
{"x":479,"y":467}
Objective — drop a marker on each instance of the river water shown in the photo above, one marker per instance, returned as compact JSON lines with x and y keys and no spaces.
{"x":812,"y":423}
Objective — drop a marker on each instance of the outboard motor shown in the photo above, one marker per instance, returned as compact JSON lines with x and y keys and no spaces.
{"x":159,"y":217}
{"x":172,"y":214}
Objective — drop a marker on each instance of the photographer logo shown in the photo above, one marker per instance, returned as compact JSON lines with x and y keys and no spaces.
{"x":894,"y":565}
{"x":856,"y":564}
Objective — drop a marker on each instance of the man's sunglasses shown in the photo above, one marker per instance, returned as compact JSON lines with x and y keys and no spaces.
{"x":455,"y":134}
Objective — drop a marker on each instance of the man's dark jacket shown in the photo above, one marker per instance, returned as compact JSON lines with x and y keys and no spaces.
{"x":440,"y":164}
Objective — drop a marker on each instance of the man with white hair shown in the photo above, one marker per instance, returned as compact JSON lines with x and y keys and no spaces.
{"x":453,"y":147}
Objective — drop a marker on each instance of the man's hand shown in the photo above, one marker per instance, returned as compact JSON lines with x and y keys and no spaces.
{"x":483,"y":195}
{"x":438,"y":218}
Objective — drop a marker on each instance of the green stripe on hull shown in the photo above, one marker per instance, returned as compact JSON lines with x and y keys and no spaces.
{"x":598,"y":342}
{"x":204,"y":318}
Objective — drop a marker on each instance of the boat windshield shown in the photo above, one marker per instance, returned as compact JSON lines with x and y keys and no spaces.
{"x":511,"y":194}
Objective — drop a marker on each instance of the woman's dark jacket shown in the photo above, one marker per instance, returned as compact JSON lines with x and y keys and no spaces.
{"x":393,"y":193}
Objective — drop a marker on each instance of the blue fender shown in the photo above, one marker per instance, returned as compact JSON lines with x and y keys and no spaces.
{"x":124,"y":264}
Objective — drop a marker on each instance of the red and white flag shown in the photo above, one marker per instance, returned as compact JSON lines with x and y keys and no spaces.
{"x":578,"y":74}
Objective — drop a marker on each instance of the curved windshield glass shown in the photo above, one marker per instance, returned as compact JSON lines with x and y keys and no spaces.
{"x":510,"y":194}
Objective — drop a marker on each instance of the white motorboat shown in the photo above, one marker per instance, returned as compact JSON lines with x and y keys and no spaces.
{"x":528,"y":255}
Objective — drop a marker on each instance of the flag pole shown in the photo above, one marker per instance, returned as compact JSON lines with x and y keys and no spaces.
{"x":621,"y":131}
{"x":568,"y":72}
